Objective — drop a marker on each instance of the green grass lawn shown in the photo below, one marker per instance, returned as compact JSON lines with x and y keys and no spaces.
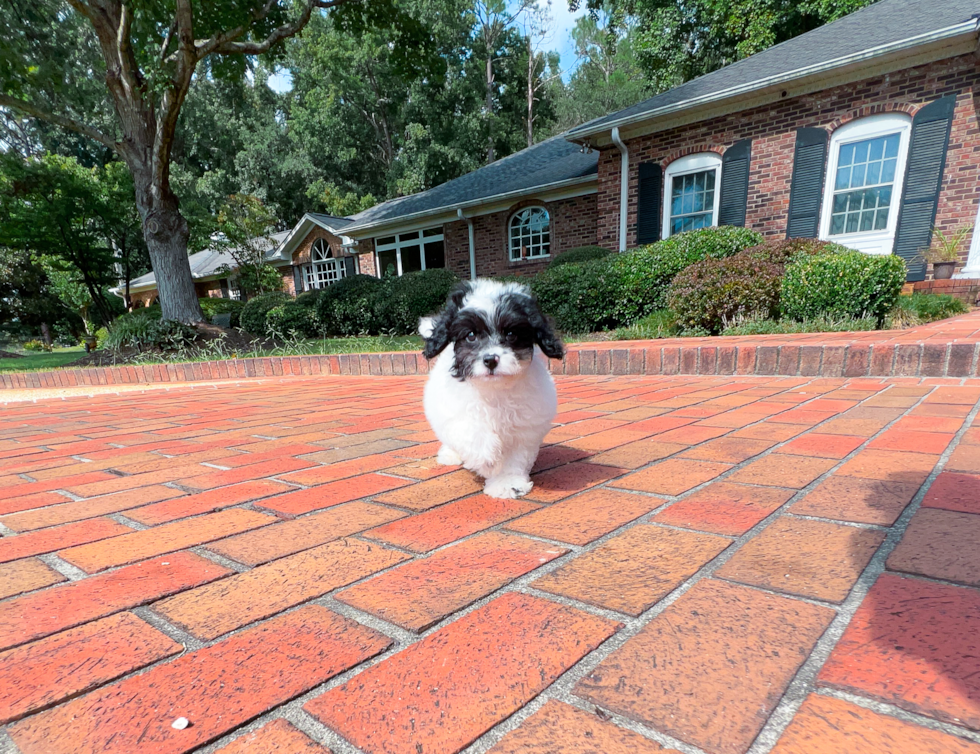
{"x":365,"y":344}
{"x":32,"y":361}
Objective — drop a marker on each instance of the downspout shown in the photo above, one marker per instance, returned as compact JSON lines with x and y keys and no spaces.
{"x":624,"y":185}
{"x":469,"y":223}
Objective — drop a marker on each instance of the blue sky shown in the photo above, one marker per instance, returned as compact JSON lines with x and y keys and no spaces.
{"x":559,"y":38}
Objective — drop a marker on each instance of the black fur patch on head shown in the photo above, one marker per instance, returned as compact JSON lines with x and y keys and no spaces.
{"x":470,"y":333}
{"x":533,"y":324}
{"x":439,"y":338}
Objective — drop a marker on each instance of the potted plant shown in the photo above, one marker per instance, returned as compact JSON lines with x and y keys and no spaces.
{"x":944,"y":253}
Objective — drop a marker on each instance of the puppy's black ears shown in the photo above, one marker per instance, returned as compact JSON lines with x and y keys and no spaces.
{"x":544,"y":333}
{"x":435,"y":329}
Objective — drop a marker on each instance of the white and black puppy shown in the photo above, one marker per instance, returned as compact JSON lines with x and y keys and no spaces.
{"x":490,"y":398}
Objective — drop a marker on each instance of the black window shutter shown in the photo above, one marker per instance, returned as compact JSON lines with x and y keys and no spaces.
{"x":649,"y":209}
{"x":297,"y":278}
{"x":806,"y":190}
{"x":350,"y":267}
{"x":923,"y":181}
{"x":735,"y":183}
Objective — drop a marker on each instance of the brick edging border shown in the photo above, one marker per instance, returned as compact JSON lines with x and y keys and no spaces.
{"x":832,"y":360}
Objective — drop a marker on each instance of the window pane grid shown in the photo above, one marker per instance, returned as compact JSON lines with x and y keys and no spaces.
{"x":692,"y":201}
{"x":863,"y":185}
{"x":530,"y":235}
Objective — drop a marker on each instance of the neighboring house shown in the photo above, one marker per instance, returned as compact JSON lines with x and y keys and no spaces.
{"x":864,"y":132}
{"x":313,"y":254}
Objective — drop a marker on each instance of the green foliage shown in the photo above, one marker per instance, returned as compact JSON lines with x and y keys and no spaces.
{"x":246,"y":226}
{"x":946,"y":248}
{"x":755,"y":326}
{"x":646,"y":272}
{"x":309,"y":298}
{"x":783,"y":250}
{"x":212,"y":306}
{"x":406,"y":299}
{"x":143,"y":332}
{"x":579,"y":254}
{"x":253,"y":316}
{"x":920,"y":308}
{"x":659,"y":324}
{"x":713,"y":293}
{"x":580,"y":297}
{"x":291,"y":319}
{"x":849,"y":284}
{"x":348,"y":306}
{"x":36,"y":346}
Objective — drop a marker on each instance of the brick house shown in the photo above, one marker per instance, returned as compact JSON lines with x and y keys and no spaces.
{"x":863,"y":132}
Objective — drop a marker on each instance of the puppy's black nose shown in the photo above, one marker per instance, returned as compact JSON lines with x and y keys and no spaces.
{"x":490,"y":361}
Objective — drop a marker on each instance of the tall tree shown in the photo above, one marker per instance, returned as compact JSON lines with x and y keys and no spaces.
{"x":147,"y":54}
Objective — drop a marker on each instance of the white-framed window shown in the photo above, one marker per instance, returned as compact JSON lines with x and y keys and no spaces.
{"x":692,"y":192}
{"x":530,"y":234}
{"x":323,"y":269}
{"x":865,"y":173}
{"x":410,"y":252}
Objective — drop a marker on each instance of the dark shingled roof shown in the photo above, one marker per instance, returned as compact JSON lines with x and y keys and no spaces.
{"x":551,"y":161}
{"x":333,"y":221}
{"x":883,"y":23}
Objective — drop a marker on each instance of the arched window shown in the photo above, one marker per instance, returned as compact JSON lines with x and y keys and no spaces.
{"x":323,"y":268}
{"x":865,"y":172}
{"x":530,"y":234}
{"x":692,"y":193}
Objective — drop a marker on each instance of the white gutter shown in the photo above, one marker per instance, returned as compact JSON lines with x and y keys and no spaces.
{"x":624,"y":185}
{"x":965,"y":27}
{"x":469,"y":223}
{"x":402,"y":219}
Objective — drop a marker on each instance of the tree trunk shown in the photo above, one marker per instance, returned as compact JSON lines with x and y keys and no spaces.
{"x":166,"y":233}
{"x":489,"y":109}
{"x":531,"y":65}
{"x":46,"y":334}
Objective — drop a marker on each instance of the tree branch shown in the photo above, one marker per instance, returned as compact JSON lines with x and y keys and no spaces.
{"x":59,"y":120}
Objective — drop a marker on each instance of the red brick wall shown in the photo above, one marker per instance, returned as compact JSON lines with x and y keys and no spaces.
{"x":208,"y":289}
{"x":573,"y":223}
{"x":773,"y":128}
{"x":365,"y":259}
{"x":146,"y":298}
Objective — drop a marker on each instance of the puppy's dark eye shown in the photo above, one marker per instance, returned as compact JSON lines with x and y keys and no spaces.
{"x":471,"y":337}
{"x":510,"y":335}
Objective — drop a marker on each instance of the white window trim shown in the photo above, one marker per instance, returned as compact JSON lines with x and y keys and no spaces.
{"x":692,"y":163}
{"x":332,"y":267}
{"x":870,"y":241}
{"x":510,"y":249}
{"x":403,"y":240}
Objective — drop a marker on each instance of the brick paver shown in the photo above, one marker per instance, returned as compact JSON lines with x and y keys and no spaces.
{"x":215,"y":553}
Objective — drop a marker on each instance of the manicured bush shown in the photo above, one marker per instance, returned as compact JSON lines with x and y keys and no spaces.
{"x":214,"y":306}
{"x":580,"y":297}
{"x":579,"y":255}
{"x":645,"y":273}
{"x":407,"y":299}
{"x":36,"y":345}
{"x":785,"y":250}
{"x":309,"y":298}
{"x":849,"y":284}
{"x":253,"y":316}
{"x":713,"y":293}
{"x":348,"y":306}
{"x":291,"y":320}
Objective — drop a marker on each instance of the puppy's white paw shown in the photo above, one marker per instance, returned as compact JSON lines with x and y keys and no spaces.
{"x":448,"y":457}
{"x":507,"y":487}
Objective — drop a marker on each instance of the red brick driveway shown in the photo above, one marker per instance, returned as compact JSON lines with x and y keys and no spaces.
{"x":705,"y":564}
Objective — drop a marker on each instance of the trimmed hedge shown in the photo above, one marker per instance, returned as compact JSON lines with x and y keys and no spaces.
{"x":579,"y":255}
{"x":845,"y":285}
{"x":713,"y":294}
{"x":622,"y":289}
{"x":785,"y":250}
{"x":214,"y":306}
{"x":405,"y":300}
{"x":348,"y":306}
{"x":291,"y":319}
{"x":253,"y":316}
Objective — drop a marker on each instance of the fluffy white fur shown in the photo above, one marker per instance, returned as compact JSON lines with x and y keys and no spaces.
{"x":492,"y":422}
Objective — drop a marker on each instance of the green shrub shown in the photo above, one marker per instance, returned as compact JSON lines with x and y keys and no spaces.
{"x":36,"y":345}
{"x":645,"y":273}
{"x":785,"y":250}
{"x":254,"y":312}
{"x":291,"y":319}
{"x":214,"y":306}
{"x":348,"y":306}
{"x":412,"y":296}
{"x":927,"y":307}
{"x":144,"y":333}
{"x":579,"y":255}
{"x":309,"y":298}
{"x":660,"y":324}
{"x":845,"y":285}
{"x":754,"y":326}
{"x":580,"y":297}
{"x":711,"y":294}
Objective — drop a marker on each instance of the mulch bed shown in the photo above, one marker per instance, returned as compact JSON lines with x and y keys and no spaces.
{"x":8,"y":355}
{"x":234,"y":341}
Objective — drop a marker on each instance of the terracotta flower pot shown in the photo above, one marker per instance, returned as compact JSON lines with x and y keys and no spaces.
{"x":943,"y":270}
